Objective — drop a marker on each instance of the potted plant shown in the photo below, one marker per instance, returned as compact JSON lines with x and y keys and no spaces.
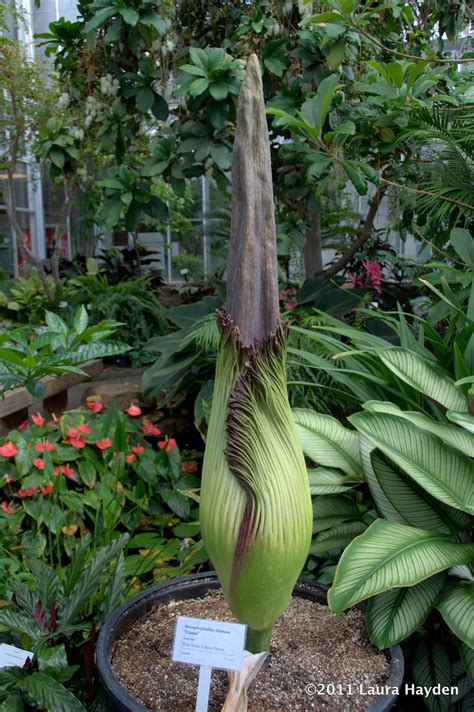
{"x":255,"y":508}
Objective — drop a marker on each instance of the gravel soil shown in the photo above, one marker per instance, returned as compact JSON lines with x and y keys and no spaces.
{"x":310,"y":646}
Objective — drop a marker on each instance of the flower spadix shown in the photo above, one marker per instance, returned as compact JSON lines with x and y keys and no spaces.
{"x":256,"y":512}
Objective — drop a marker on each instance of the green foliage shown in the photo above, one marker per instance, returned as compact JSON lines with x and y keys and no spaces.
{"x":139,"y":313}
{"x":54,"y":349}
{"x":187,"y":356}
{"x":59,"y":605}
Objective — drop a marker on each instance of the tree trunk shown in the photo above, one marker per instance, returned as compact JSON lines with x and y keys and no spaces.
{"x":10,"y":204}
{"x":365,"y":233}
{"x":313,"y":257}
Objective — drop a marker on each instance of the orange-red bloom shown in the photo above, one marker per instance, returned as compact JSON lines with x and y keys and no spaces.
{"x":68,"y":471}
{"x":38,"y":419}
{"x":149,"y":429}
{"x":130,"y":458}
{"x":41,"y":447}
{"x":189,"y":467}
{"x":83,"y":428}
{"x":104,"y":444}
{"x":8,"y":450}
{"x":138,"y":448}
{"x":8,"y":508}
{"x":169,"y":445}
{"x":28,"y":492}
{"x":134,"y":410}
{"x":46,"y":490}
{"x":94,"y":405}
{"x":78,"y":443}
{"x":39,"y":463}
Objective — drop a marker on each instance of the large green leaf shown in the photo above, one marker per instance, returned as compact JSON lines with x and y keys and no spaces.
{"x":337,"y":537}
{"x":467,"y":657}
{"x":326,"y":480}
{"x":400,"y":499}
{"x":457,"y":608}
{"x":441,"y":470}
{"x":46,"y":692}
{"x":452,"y":435}
{"x":465,"y":420}
{"x":423,"y":375}
{"x":327,"y":442}
{"x":390,"y":555}
{"x":393,"y":615}
{"x":332,"y":510}
{"x":431,"y":667}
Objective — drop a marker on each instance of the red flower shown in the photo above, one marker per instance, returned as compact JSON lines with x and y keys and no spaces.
{"x":38,"y":419}
{"x":130,"y":458}
{"x":189,"y":467}
{"x":104,"y":444}
{"x":54,"y":420}
{"x":28,"y":492}
{"x":21,"y":426}
{"x":83,"y":428}
{"x":138,"y":448}
{"x":8,"y":508}
{"x":78,"y":443}
{"x":168,"y":445}
{"x":45,"y":491}
{"x":8,"y":480}
{"x":73,"y":433}
{"x":55,"y":470}
{"x":8,"y":450}
{"x":134,"y":410}
{"x":39,"y":463}
{"x":94,"y":405}
{"x":149,"y":429}
{"x":68,"y":471}
{"x":41,"y":447}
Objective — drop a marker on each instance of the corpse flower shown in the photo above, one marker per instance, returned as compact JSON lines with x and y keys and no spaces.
{"x":256,"y":515}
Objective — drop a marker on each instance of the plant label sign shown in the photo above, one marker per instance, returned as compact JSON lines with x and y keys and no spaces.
{"x":11,"y":656}
{"x":209,"y":644}
{"x":212,"y":643}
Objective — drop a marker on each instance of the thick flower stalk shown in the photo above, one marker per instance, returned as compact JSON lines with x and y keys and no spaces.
{"x":256,"y":515}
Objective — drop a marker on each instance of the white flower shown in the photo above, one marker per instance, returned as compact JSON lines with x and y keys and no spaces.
{"x":63,"y":100}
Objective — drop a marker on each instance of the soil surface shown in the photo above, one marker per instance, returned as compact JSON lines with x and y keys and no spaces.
{"x":310,"y":646}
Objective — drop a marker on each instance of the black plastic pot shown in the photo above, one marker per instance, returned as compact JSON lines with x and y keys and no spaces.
{"x":197,"y":586}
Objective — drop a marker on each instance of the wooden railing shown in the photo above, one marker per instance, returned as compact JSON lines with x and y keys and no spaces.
{"x":16,"y":402}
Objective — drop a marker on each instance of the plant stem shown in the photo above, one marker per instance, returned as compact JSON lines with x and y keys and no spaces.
{"x":258,"y":641}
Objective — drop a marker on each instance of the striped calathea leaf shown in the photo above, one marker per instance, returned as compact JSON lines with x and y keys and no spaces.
{"x":256,"y":514}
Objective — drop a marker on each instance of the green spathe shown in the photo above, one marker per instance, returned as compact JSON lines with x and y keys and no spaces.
{"x":256,"y":513}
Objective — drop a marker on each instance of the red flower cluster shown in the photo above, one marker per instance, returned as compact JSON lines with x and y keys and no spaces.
{"x":8,"y":450}
{"x":168,"y":444}
{"x":149,"y":429}
{"x":189,"y":467}
{"x":287,"y":296}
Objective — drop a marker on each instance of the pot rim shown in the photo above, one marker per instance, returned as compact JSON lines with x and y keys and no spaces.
{"x":106,"y":638}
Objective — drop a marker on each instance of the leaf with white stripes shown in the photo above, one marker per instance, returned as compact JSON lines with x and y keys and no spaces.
{"x":467,"y":657}
{"x":333,"y":510}
{"x":441,"y":470}
{"x":337,"y":537}
{"x":326,"y":480}
{"x":408,"y":502}
{"x":460,"y":439}
{"x":431,"y":667}
{"x":457,"y":608}
{"x":465,"y":420}
{"x":327,"y":442}
{"x":423,"y":375}
{"x":389,"y":555}
{"x":393,"y":615}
